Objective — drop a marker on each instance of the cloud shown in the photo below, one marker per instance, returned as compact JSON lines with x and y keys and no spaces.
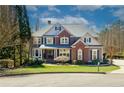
{"x":88,"y":7}
{"x":32,"y":8}
{"x":119,"y":13}
{"x":53,"y":8}
{"x":66,"y":20}
{"x":45,"y":14}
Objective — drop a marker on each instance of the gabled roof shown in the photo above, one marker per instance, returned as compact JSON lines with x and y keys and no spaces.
{"x":52,"y":30}
{"x":77,"y":30}
{"x":41,"y":31}
{"x":94,"y":42}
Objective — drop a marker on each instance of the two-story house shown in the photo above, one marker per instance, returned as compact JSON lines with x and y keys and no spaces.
{"x":70,"y":40}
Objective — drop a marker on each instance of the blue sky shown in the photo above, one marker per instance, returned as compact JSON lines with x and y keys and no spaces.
{"x":92,"y":16}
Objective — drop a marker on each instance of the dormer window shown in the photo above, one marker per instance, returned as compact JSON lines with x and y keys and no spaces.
{"x":64,"y":40}
{"x":58,"y":28}
{"x":87,"y":40}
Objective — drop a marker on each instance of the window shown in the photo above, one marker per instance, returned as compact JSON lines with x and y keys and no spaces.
{"x":85,"y":40}
{"x":49,"y":40}
{"x":58,"y":28}
{"x":89,"y":40}
{"x":64,"y":40}
{"x":36,"y":52}
{"x":80,"y":54}
{"x":34,"y":40}
{"x":94,"y":54}
{"x":39,"y":40}
{"x":64,"y":52}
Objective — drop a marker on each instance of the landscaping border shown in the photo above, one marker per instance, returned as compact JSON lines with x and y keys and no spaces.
{"x":6,"y":75}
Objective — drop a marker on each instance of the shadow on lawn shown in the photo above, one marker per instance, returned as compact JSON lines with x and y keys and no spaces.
{"x":35,"y":66}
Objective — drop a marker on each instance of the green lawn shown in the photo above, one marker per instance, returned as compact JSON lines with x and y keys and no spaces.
{"x":59,"y":68}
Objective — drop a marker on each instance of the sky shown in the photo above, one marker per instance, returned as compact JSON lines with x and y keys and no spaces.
{"x":94,"y":17}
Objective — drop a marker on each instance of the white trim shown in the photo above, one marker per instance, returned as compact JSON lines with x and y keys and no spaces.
{"x":62,"y":52}
{"x":63,"y":38}
{"x":41,"y":54}
{"x":77,"y":42}
{"x":55,"y":53}
{"x":94,"y":53}
{"x":80,"y":54}
{"x":94,"y":46}
{"x":49,"y":42}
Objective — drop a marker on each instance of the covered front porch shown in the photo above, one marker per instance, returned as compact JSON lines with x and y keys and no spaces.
{"x":49,"y":53}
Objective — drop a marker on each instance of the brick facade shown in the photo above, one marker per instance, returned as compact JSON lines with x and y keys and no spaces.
{"x":81,"y":46}
{"x":75,"y":43}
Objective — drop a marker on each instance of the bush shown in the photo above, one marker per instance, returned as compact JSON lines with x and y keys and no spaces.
{"x":62,"y":59}
{"x":79,"y":62}
{"x":95,"y":62}
{"x":105,"y":61}
{"x":32,"y":62}
{"x":6,"y":63}
{"x":38,"y":62}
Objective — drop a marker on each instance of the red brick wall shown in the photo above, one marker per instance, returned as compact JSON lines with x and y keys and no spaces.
{"x":74,"y":50}
{"x":62,"y":34}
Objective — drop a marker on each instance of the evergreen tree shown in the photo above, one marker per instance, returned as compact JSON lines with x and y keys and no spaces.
{"x":24,"y":28}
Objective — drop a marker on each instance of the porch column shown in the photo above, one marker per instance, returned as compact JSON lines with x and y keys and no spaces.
{"x":34,"y":53}
{"x":102,"y":53}
{"x":55,"y":53}
{"x":41,"y":54}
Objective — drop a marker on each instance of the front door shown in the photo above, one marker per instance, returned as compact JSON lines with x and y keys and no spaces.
{"x":49,"y":54}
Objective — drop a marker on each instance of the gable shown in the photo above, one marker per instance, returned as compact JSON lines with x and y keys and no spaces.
{"x":55,"y":29}
{"x":87,"y":36}
{"x":64,"y":33}
{"x":93,"y":39}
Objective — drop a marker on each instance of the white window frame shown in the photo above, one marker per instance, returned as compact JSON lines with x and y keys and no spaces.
{"x":48,"y":39}
{"x":64,"y":40}
{"x":34,"y":53}
{"x":35,"y":40}
{"x":94,"y":53}
{"x":80,"y":54}
{"x":87,"y":39}
{"x":39,"y":40}
{"x":64,"y":52}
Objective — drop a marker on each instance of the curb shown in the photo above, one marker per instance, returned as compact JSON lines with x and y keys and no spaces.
{"x":7,"y":75}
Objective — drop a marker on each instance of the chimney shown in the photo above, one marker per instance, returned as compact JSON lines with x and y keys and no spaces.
{"x":49,"y":22}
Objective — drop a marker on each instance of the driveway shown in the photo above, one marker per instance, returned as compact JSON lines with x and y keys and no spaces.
{"x":119,"y":63}
{"x":64,"y":80}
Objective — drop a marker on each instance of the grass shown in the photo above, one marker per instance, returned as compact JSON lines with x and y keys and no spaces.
{"x":58,"y":68}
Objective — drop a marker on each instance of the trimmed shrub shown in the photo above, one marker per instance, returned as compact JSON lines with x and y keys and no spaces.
{"x":95,"y":62}
{"x":32,"y":62}
{"x":62,"y":59}
{"x":7,"y":63}
{"x":79,"y":62}
{"x":38,"y":62}
{"x":105,"y":61}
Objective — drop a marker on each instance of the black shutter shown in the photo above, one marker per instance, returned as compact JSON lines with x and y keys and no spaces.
{"x":57,"y":52}
{"x":97,"y":54}
{"x":90,"y":54}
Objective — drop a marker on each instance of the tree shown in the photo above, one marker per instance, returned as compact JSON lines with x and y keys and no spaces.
{"x":24,"y":28}
{"x":112,"y":39}
{"x":8,"y":25}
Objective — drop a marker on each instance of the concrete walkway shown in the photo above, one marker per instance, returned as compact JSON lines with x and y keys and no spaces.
{"x":119,"y":63}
